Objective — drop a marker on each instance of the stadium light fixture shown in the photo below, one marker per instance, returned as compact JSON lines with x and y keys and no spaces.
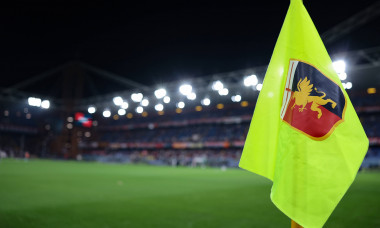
{"x":347,"y":85}
{"x":251,"y":80}
{"x":185,"y":89}
{"x":125,"y":105}
{"x":339,"y":66}
{"x":160,"y":93}
{"x":117,"y":101}
{"x":121,"y":112}
{"x":223,"y":92}
{"x":166,"y":99}
{"x":91,"y":109}
{"x":192,"y":96}
{"x":236,"y":98}
{"x":45,"y":104}
{"x":106,"y":113}
{"x":33,"y":101}
{"x":217,"y":85}
{"x":137,"y":97}
{"x":144,"y":102}
{"x":159,"y":107}
{"x":342,"y":76}
{"x":139,"y":109}
{"x":181,"y":104}
{"x":206,"y":102}
{"x":259,"y":87}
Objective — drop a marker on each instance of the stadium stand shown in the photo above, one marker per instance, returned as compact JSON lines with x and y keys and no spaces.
{"x":210,"y":136}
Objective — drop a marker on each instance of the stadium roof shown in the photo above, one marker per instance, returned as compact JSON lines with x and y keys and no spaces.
{"x":150,"y":44}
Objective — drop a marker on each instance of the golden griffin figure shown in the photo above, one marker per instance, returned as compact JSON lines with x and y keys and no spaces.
{"x":302,"y":97}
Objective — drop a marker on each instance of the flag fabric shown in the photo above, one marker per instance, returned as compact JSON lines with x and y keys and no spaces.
{"x":305,"y":135}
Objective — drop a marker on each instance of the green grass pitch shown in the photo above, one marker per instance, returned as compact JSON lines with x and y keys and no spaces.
{"x":77,"y":194}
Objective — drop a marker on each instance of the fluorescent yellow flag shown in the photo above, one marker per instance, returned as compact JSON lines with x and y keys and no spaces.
{"x":305,"y":135}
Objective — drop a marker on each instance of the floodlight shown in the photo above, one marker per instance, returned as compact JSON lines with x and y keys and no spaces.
{"x":217,"y":85}
{"x":251,"y":80}
{"x":45,"y":104}
{"x":259,"y":87}
{"x":223,"y":92}
{"x":145,"y":102}
{"x":339,"y":66}
{"x":236,"y":98}
{"x":33,"y":101}
{"x":206,"y":102}
{"x":159,"y":107}
{"x":121,"y":112}
{"x":185,"y":89}
{"x":118,"y":101}
{"x":166,"y":99}
{"x":136,"y":97}
{"x":125,"y":105}
{"x":106,"y":113}
{"x":342,"y":76}
{"x":191,"y":96}
{"x":348,"y":85}
{"x":160,"y":93}
{"x":181,"y":104}
{"x":139,"y":109}
{"x":91,"y":109}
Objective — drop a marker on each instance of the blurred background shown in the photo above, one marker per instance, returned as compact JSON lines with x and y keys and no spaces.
{"x":154,"y":101}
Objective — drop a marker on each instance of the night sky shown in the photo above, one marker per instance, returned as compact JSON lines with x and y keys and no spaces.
{"x":160,"y":41}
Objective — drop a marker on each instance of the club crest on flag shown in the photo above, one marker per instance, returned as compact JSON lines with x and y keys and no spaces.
{"x":312,"y":103}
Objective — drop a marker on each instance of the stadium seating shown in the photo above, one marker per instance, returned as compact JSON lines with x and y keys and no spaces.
{"x":214,"y":136}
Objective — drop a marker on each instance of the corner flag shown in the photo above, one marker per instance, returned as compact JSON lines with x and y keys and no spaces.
{"x":305,"y":135}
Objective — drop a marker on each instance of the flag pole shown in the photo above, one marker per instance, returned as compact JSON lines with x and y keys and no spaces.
{"x":295,"y":225}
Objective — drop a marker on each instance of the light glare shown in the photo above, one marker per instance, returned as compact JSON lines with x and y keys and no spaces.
{"x":217,"y":85}
{"x":139,"y":109}
{"x":191,"y":96}
{"x":259,"y":87}
{"x":339,"y":66}
{"x":159,"y":107}
{"x":181,"y":104}
{"x":33,"y":101}
{"x":185,"y":89}
{"x":223,"y":92}
{"x":121,"y":112}
{"x":91,"y":109}
{"x":145,"y":102}
{"x":125,"y":105}
{"x":342,"y":76}
{"x":106,"y":113}
{"x":236,"y":98}
{"x":45,"y":104}
{"x":136,"y":97}
{"x":166,"y":99}
{"x":160,"y":93}
{"x":250,"y":80}
{"x":117,"y":101}
{"x":206,"y":102}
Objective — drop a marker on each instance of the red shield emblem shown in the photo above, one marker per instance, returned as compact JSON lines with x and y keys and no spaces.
{"x":312,"y":104}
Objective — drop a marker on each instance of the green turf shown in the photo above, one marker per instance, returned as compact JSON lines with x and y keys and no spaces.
{"x":76,"y":194}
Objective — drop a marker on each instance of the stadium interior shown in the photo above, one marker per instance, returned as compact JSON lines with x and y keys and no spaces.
{"x":135,"y":114}
{"x":201,"y":121}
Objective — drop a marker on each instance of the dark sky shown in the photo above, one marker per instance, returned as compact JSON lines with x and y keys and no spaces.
{"x":160,"y":41}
